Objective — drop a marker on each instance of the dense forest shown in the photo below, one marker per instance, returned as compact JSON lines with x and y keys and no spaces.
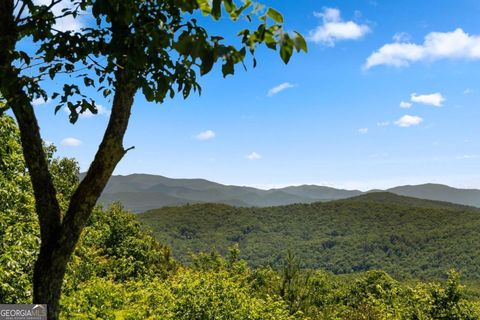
{"x":120,"y":271}
{"x":409,"y":238}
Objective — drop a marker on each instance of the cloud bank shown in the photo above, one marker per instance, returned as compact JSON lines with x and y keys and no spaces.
{"x":437,"y":45}
{"x":334,"y":29}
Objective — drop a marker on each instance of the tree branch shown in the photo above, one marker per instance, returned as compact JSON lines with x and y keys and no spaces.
{"x":41,"y":12}
{"x":20,"y":12}
{"x":11,"y":87}
{"x":46,"y":201}
{"x":109,"y":153}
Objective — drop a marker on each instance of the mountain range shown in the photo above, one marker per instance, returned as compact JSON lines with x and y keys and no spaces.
{"x":142,"y":192}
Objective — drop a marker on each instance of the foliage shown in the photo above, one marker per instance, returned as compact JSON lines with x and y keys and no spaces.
{"x":19,"y":232}
{"x":409,"y":238}
{"x":217,"y":289}
{"x":112,"y":245}
{"x":162,"y":45}
{"x":220,"y":294}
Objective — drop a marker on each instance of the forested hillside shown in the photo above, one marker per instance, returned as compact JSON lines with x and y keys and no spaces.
{"x":408,"y":237}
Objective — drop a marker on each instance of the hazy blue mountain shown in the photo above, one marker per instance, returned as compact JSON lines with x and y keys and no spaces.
{"x":318,"y":193}
{"x":139,"y":202}
{"x":470,"y":197}
{"x":141,"y":192}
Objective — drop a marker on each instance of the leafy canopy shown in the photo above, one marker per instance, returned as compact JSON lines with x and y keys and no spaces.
{"x":160,"y":43}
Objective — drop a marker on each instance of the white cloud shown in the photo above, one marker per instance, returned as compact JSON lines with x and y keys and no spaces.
{"x":100,"y":111}
{"x":335,"y":29}
{"x":405,"y":105}
{"x":205,"y":135}
{"x":253,"y":156}
{"x":408,"y":121}
{"x":383,"y":124}
{"x":38,"y":102}
{"x":363,"y":130}
{"x":432,"y":99}
{"x":67,"y":23}
{"x":437,"y":45}
{"x":467,"y":91}
{"x":281,"y":87}
{"x":88,"y":114}
{"x":71,"y":142}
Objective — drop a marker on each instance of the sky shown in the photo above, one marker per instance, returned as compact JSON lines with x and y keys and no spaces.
{"x":387,"y":95}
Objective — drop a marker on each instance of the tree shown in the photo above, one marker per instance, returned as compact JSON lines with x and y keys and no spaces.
{"x":156,"y":46}
{"x":16,"y":218}
{"x":19,"y":228}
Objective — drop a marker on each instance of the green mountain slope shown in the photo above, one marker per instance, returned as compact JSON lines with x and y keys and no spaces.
{"x":410,"y":238}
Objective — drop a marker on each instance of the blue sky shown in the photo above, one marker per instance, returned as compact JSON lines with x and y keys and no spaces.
{"x":331,"y":117}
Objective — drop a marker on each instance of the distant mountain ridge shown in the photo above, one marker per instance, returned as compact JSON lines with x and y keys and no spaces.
{"x":440,"y":192}
{"x":142,"y":192}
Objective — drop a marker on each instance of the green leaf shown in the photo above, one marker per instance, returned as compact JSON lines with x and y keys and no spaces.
{"x":216,"y":9}
{"x":148,"y":92}
{"x":229,"y":6}
{"x":25,"y":57}
{"x":52,"y":72}
{"x":270,"y":41}
{"x":208,"y":59}
{"x":300,"y":43}
{"x":275,"y":15}
{"x":88,"y":81}
{"x":286,"y":51}
{"x":204,"y":6}
{"x":227,"y":68}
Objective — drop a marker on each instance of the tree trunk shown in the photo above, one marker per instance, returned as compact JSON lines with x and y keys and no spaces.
{"x":48,"y":271}
{"x":48,"y":280}
{"x":55,"y":253}
{"x":60,"y":236}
